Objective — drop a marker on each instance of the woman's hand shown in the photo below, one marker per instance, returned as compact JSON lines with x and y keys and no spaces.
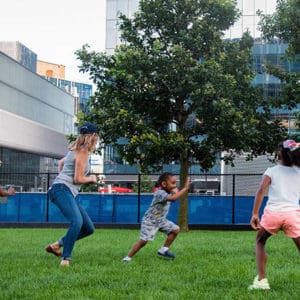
{"x":11,"y":191}
{"x":93,"y":178}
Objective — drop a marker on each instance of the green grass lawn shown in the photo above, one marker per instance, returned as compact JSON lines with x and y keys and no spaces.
{"x":209,"y":265}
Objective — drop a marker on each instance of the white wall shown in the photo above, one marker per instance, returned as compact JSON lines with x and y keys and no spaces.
{"x":35,"y":115}
{"x":27,"y":94}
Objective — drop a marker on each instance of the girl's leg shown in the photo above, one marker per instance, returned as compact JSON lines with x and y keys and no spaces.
{"x":136,"y":247}
{"x":297,"y":242}
{"x":261,"y":255}
{"x":171,"y":237}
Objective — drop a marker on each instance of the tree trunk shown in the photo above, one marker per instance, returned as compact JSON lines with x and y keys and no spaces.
{"x":183,"y":205}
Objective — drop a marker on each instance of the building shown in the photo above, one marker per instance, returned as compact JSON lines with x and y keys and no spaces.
{"x":35,"y":116}
{"x":55,"y":74}
{"x":20,"y":53}
{"x":248,"y":20}
{"x":113,"y":7}
{"x":81,"y":92}
{"x":47,"y":69}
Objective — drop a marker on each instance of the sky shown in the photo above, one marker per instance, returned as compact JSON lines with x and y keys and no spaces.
{"x":55,"y":29}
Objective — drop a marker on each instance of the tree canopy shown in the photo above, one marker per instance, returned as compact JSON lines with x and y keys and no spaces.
{"x":176,"y":90}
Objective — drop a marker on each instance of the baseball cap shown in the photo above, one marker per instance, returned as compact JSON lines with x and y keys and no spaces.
{"x":88,"y":128}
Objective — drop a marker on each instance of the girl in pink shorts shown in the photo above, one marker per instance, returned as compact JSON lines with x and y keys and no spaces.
{"x":282,"y":211}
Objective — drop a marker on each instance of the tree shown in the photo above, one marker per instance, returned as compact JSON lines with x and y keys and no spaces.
{"x":284,"y":24}
{"x":177,"y":91}
{"x":146,"y":185}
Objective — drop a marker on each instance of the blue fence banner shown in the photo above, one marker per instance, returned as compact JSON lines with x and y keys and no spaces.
{"x":124,"y":208}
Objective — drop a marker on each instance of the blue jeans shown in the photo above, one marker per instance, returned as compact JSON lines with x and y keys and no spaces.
{"x":80,"y":223}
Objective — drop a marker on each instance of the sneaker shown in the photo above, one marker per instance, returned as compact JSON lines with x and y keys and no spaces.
{"x":262,"y":284}
{"x":167,"y":254}
{"x":126,"y":259}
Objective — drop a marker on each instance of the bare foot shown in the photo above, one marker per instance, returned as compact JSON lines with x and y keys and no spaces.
{"x":65,"y":263}
{"x":54,"y":248}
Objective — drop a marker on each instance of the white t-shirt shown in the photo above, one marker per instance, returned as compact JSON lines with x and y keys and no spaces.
{"x":284,"y":190}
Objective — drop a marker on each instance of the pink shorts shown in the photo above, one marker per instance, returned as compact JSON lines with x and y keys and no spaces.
{"x":287,"y":221}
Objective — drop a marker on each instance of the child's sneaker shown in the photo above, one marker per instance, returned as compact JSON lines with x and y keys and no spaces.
{"x":126,"y":259}
{"x":262,"y":284}
{"x":167,"y":254}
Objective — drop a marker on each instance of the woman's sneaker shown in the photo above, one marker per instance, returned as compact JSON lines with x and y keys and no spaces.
{"x":262,"y":284}
{"x":167,"y":254}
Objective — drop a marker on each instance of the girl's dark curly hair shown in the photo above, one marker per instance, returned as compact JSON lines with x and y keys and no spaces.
{"x":295,"y":157}
{"x":163,"y":177}
{"x":285,"y":155}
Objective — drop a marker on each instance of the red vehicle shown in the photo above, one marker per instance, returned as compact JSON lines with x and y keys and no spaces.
{"x":114,"y":189}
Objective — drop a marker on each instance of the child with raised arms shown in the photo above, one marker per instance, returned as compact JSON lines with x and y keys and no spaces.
{"x":282,"y":211}
{"x":155,"y":217}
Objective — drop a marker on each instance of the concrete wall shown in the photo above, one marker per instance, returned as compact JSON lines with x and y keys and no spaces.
{"x":20,"y":53}
{"x":248,"y":183}
{"x":35,"y":115}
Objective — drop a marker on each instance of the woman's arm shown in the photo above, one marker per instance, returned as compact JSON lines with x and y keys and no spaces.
{"x":177,"y":194}
{"x":81,"y":157}
{"x":255,"y":222}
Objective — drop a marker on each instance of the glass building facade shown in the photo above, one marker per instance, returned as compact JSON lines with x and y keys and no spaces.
{"x":273,"y":52}
{"x":248,"y":20}
{"x":113,"y":7}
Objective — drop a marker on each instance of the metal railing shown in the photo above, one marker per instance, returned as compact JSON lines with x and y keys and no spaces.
{"x":203,"y":184}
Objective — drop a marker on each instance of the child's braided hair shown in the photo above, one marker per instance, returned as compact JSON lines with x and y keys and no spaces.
{"x":290,"y":152}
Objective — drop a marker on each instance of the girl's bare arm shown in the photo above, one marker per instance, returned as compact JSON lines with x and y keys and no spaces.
{"x":178,"y":194}
{"x":255,"y":221}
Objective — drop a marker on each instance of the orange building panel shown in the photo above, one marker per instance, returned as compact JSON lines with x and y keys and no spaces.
{"x":50,"y":70}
